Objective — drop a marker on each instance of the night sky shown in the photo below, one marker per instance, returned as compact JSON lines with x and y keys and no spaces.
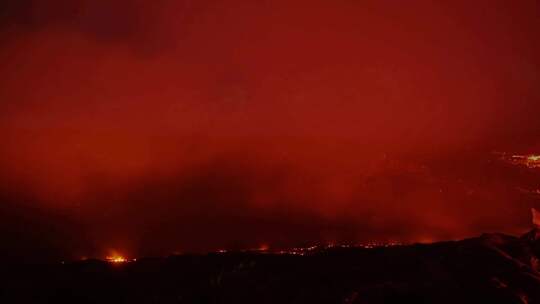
{"x":152,"y":127}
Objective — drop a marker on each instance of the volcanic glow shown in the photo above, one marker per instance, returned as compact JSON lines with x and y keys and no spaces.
{"x":116,"y":259}
{"x":176,"y":125}
{"x":531,"y":161}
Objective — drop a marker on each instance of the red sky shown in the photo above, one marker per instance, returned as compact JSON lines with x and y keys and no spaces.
{"x":150,"y":127}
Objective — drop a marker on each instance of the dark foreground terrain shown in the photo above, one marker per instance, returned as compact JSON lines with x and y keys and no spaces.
{"x":493,"y":268}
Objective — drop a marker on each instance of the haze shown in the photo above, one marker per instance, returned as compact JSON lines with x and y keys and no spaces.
{"x":152,"y":127}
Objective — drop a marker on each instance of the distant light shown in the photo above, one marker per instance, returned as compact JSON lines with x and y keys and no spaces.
{"x":116,"y":259}
{"x":534,"y":158}
{"x":264,"y":247}
{"x":531,"y":161}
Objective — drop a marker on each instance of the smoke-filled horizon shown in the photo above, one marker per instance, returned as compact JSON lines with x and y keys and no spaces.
{"x":149,"y":127}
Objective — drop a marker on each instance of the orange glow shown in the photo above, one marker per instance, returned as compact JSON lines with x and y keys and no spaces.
{"x":116,"y":259}
{"x":534,"y":159}
{"x":162,"y":126}
{"x":531,"y":161}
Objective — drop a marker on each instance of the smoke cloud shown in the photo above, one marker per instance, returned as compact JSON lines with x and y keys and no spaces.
{"x":158,"y":126}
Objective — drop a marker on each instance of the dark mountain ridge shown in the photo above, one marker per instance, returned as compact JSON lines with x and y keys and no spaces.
{"x":491,"y":268}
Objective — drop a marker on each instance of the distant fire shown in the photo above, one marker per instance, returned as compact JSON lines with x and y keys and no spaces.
{"x":531,"y":161}
{"x":116,"y":259}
